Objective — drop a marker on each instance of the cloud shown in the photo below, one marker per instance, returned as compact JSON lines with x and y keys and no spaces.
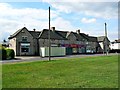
{"x":12,"y":19}
{"x":8,"y":11}
{"x":97,"y":9}
{"x":62,"y":24}
{"x":81,"y":1}
{"x":85,"y":20}
{"x":59,"y":0}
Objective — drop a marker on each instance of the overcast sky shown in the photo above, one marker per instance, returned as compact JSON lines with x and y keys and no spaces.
{"x":89,"y":17}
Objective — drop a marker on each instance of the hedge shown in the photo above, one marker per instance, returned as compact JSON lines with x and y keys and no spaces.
{"x":6,"y":53}
{"x":10,"y":53}
{"x":3,"y":54}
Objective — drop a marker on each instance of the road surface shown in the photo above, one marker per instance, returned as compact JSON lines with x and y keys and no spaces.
{"x":38,"y":58}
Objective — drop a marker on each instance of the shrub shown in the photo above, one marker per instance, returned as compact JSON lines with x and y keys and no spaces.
{"x":10,"y":53}
{"x":6,"y":53}
{"x":3,"y":54}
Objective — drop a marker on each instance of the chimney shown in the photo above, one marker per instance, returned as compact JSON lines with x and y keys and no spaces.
{"x":52,"y":28}
{"x":34,"y":30}
{"x":78,"y":31}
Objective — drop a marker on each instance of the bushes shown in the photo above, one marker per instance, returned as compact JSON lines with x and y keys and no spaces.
{"x":10,"y":53}
{"x":6,"y":53}
{"x":3,"y":54}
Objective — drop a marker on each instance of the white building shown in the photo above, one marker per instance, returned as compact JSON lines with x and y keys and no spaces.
{"x":115,"y":45}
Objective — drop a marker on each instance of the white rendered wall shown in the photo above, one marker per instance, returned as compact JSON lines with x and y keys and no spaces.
{"x":115,"y":46}
{"x":55,"y":51}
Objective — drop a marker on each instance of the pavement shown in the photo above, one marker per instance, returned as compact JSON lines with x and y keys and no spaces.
{"x":38,"y":58}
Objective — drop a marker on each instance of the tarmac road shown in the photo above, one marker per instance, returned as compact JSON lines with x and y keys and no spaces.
{"x":38,"y":58}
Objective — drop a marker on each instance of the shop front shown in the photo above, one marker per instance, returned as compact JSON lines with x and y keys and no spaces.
{"x":74,"y":48}
{"x":81,"y":49}
{"x":24,"y":48}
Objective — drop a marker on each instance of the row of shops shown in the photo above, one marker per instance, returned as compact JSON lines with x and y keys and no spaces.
{"x":77,"y":49}
{"x":62,"y":51}
{"x":25,"y":42}
{"x":74,"y":48}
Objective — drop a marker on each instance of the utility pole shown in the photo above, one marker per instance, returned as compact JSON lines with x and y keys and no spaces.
{"x":49,"y":38}
{"x":106,"y":48}
{"x":105,"y":29}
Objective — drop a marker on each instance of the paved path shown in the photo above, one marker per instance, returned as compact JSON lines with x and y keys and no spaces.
{"x":38,"y":58}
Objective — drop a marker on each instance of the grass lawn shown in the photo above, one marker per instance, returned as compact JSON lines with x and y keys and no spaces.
{"x":90,"y":72}
{"x":0,"y":75}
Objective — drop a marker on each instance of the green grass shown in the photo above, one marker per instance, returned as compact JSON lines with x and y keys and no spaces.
{"x":90,"y":72}
{"x":0,"y":75}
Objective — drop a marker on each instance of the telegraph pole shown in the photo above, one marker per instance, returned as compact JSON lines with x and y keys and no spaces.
{"x":106,"y":48}
{"x":105,"y":29}
{"x":49,"y":38}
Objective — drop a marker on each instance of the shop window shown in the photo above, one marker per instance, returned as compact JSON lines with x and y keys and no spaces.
{"x":24,"y":49}
{"x":74,"y":50}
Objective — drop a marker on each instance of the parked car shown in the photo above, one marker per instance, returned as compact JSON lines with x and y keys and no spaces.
{"x":89,"y":51}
